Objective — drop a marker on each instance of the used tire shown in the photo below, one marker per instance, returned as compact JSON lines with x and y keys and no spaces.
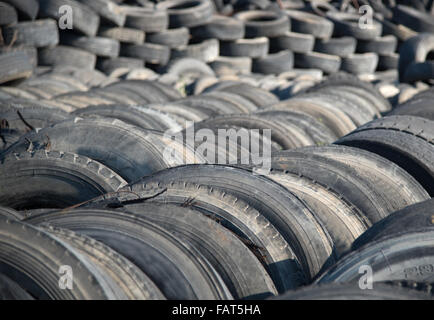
{"x":405,"y":140}
{"x":219,"y":27}
{"x":274,"y":63}
{"x":15,"y":65}
{"x":263,"y":23}
{"x":304,"y":22}
{"x":101,"y":47}
{"x":66,"y":56}
{"x":253,"y":48}
{"x":59,"y":180}
{"x":187,"y":13}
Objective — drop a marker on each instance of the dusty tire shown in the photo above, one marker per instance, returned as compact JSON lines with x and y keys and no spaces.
{"x":58,"y":180}
{"x":253,"y":48}
{"x":263,"y":23}
{"x":187,"y":13}
{"x":39,"y":33}
{"x":66,"y":56}
{"x":177,"y":269}
{"x":274,"y":63}
{"x":219,"y":27}
{"x":14,"y":66}
{"x":38,"y":270}
{"x":404,"y":140}
{"x":101,"y":47}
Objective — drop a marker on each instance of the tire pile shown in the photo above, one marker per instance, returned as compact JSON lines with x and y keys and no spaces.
{"x":87,"y":188}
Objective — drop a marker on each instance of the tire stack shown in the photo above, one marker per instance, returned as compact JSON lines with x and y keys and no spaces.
{"x":100,"y":180}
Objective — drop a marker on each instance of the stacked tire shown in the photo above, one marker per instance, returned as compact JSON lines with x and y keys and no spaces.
{"x":116,"y":184}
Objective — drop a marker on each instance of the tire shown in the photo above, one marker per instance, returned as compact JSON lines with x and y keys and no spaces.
{"x":177,"y":269}
{"x":72,"y":179}
{"x":242,"y":272}
{"x":338,"y":216}
{"x":295,"y":42}
{"x":349,"y":291}
{"x":320,"y":7}
{"x":131,"y":96}
{"x":149,"y":52}
{"x":30,"y":52}
{"x":206,"y":51}
{"x":39,"y":33}
{"x":422,"y":71}
{"x":247,"y":223}
{"x":31,"y":117}
{"x":11,"y":213}
{"x":8,"y":14}
{"x":281,"y":208}
{"x":399,"y":257}
{"x":354,"y":102}
{"x":404,"y":140}
{"x":274,"y":63}
{"x":232,"y":65}
{"x":398,"y":188}
{"x":84,"y":99}
{"x":388,"y":62}
{"x":101,"y":47}
{"x":187,"y":13}
{"x":414,"y":19}
{"x":314,"y":60}
{"x":170,"y":92}
{"x":18,"y":95}
{"x":347,"y":80}
{"x":140,"y":155}
{"x":260,"y":97}
{"x":244,"y":105}
{"x":14,"y":65}
{"x":221,"y":28}
{"x":37,"y":271}
{"x":313,"y":128}
{"x":363,"y":63}
{"x":263,"y":23}
{"x":186,"y":66}
{"x":336,"y":120}
{"x":66,"y":56}
{"x":145,"y":19}
{"x":347,"y":25}
{"x":85,"y":19}
{"x":343,"y":180}
{"x":398,"y":30}
{"x":180,"y":114}
{"x":172,"y":38}
{"x":253,"y":48}
{"x":304,"y":22}
{"x":210,"y":105}
{"x":405,"y":220}
{"x":107,"y":10}
{"x":282,"y":137}
{"x":146,"y":89}
{"x":123,"y":35}
{"x":82,"y":79}
{"x":415,"y":50}
{"x":29,"y":8}
{"x":109,"y":65}
{"x":141,"y":117}
{"x":132,"y":283}
{"x":341,"y":47}
{"x":382,"y":45}
{"x":55,"y":82}
{"x":417,"y":107}
{"x":345,"y":102}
